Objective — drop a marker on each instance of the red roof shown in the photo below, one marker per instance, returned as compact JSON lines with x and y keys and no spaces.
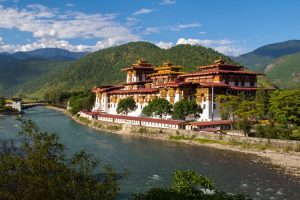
{"x":137,"y":68}
{"x":142,"y":90}
{"x":144,"y":119}
{"x":244,"y":88}
{"x":175,"y":84}
{"x":214,"y":84}
{"x":105,"y":88}
{"x":221,"y":65}
{"x":138,"y":82}
{"x":210,"y":123}
{"x":219,"y":71}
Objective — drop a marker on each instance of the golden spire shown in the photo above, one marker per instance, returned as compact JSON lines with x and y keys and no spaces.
{"x":220,"y":61}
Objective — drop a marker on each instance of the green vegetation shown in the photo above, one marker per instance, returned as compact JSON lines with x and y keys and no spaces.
{"x":126,"y":106}
{"x":275,"y":115}
{"x":285,"y":106}
{"x":279,"y":61}
{"x":158,"y":107}
{"x":103,"y":67}
{"x":285,"y":71}
{"x":81,"y":101}
{"x":18,"y":77}
{"x":184,"y":108}
{"x":38,"y":167}
{"x":6,"y":109}
{"x":188,"y":185}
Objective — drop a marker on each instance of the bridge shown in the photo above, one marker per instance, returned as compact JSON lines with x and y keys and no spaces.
{"x":27,"y":105}
{"x":19,"y":105}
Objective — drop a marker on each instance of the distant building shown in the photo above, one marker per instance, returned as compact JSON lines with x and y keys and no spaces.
{"x":16,"y":104}
{"x":145,"y":82}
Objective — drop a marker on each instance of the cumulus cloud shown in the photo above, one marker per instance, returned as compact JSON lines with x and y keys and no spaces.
{"x":167,"y":2}
{"x":184,"y":26}
{"x":230,"y":50}
{"x":206,"y":43}
{"x":165,"y":45}
{"x":224,"y":46}
{"x":54,"y":25}
{"x":62,"y":44}
{"x":142,"y":11}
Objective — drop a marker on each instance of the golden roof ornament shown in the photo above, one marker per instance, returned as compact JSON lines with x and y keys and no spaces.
{"x":219,"y":61}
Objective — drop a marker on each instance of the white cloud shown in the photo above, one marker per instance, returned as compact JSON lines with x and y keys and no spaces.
{"x":202,"y":33}
{"x":167,"y":2}
{"x":230,"y":50}
{"x":224,"y":46}
{"x":150,"y":30}
{"x":184,"y":26}
{"x":142,"y":11}
{"x":165,"y":45}
{"x":55,"y":25}
{"x":206,"y":43}
{"x":63,"y":44}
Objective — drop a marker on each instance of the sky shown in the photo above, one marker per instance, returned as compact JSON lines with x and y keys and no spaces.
{"x":232,"y":27}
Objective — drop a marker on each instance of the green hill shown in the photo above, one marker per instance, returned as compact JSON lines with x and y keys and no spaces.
{"x":104,"y":66}
{"x":260,"y":58}
{"x":14,"y":73}
{"x":285,"y":71}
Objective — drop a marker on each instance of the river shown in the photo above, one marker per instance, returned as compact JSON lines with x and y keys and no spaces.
{"x":152,"y":162}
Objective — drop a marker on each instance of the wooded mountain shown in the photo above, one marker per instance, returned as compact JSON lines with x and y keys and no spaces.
{"x":260,"y":58}
{"x":104,"y":67}
{"x":18,"y":68}
{"x":279,"y":61}
{"x":49,"y":54}
{"x":285,"y":71}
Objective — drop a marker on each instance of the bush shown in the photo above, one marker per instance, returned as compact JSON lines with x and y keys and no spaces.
{"x":38,"y":168}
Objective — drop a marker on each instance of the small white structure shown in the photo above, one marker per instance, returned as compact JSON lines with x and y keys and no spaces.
{"x":16,"y":104}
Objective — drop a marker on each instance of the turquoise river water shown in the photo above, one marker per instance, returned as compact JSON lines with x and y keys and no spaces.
{"x":152,"y":162}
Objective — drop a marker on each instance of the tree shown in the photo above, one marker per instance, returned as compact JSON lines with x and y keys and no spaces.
{"x":228,"y":105}
{"x":38,"y":168}
{"x":81,"y":100}
{"x":184,"y":108}
{"x":286,"y":104}
{"x":262,"y":102}
{"x":126,"y":106}
{"x":2,"y":102}
{"x":158,"y":107}
{"x":188,"y":185}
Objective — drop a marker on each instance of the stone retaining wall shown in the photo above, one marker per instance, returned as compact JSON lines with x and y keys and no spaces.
{"x":165,"y":134}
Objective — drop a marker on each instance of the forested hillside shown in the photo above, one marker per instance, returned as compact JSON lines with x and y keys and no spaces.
{"x":18,"y":70}
{"x":104,"y":66}
{"x":260,"y":58}
{"x":285,"y":71}
{"x":279,"y":61}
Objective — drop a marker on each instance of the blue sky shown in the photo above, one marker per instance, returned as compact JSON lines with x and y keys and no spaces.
{"x":231,"y":27}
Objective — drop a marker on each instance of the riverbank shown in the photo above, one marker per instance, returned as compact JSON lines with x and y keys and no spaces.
{"x":283,"y":157}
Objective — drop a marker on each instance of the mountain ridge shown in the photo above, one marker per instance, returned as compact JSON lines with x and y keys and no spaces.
{"x":48,"y":54}
{"x":104,"y":66}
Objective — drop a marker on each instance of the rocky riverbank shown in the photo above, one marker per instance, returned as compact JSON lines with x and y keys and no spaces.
{"x":286,"y":159}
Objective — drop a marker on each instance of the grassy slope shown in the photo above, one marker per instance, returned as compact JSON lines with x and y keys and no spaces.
{"x":285,"y":71}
